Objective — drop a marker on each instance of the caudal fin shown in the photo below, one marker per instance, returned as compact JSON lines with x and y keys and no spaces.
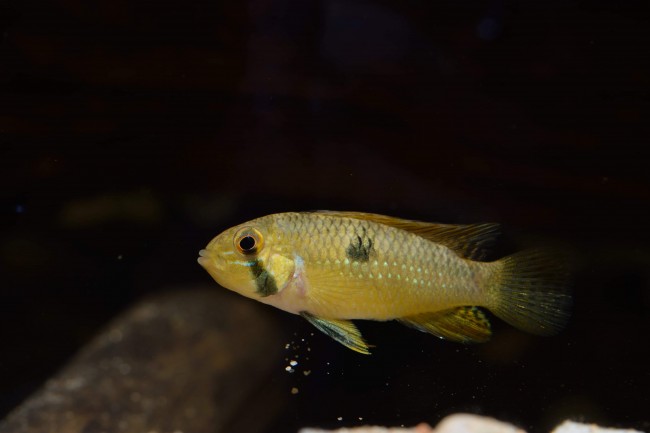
{"x":531,"y":292}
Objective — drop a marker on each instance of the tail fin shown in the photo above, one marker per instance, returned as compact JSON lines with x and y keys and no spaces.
{"x":531,"y":292}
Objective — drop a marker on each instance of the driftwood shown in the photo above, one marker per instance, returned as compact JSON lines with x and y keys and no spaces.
{"x":181,"y":361}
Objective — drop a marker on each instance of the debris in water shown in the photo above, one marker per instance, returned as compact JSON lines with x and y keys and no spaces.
{"x":294,"y":390}
{"x":293,"y":363}
{"x":306,"y":372}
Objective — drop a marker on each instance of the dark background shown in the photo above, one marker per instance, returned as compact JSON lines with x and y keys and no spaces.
{"x":132,"y":132}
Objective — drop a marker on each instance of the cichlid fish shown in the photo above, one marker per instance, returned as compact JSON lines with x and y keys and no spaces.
{"x":332,"y":267}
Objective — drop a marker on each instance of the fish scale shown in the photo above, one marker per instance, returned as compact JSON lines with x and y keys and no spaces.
{"x":332,"y":267}
{"x":321,"y":241}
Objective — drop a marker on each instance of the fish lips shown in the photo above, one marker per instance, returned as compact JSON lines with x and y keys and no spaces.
{"x":204,"y":258}
{"x":208,"y":261}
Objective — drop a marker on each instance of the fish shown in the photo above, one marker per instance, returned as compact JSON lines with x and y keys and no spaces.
{"x":335,"y":267}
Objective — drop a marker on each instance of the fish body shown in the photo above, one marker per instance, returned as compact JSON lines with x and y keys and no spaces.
{"x":333,"y":267}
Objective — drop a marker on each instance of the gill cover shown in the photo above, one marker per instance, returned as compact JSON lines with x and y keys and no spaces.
{"x":271,"y":271}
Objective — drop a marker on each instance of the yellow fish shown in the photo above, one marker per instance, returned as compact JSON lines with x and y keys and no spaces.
{"x":332,"y":267}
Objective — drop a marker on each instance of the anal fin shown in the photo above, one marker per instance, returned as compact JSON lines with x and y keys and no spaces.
{"x":463,"y":324}
{"x":343,"y":331}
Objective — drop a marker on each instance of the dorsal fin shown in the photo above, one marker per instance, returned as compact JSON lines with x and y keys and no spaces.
{"x":468,"y":241}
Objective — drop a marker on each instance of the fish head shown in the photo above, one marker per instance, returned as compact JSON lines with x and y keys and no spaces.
{"x":244,"y":259}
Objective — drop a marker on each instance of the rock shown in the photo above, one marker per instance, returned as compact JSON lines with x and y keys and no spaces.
{"x":576,"y":427}
{"x":467,"y":423}
{"x":181,"y":361}
{"x":420,"y":428}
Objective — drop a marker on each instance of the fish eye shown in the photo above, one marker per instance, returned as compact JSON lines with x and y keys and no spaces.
{"x":248,"y":241}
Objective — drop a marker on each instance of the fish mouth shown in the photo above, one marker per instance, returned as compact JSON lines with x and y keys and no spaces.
{"x":204,"y":258}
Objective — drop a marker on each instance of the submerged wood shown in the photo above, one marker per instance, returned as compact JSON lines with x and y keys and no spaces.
{"x":181,"y":361}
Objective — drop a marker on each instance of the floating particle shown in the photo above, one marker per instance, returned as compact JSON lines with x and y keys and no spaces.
{"x":120,"y":257}
{"x":293,"y":363}
{"x":286,"y":346}
{"x":289,"y":369}
{"x":360,"y":418}
{"x":306,"y":372}
{"x":294,"y":390}
{"x":340,"y":418}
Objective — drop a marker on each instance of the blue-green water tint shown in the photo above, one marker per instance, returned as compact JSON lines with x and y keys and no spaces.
{"x":186,"y":120}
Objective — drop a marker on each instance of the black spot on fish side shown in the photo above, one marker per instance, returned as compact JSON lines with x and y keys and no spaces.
{"x":359,"y":248}
{"x":264,"y":281}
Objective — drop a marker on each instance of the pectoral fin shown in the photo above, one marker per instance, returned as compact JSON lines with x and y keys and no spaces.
{"x":342,"y":331}
{"x":463,"y":324}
